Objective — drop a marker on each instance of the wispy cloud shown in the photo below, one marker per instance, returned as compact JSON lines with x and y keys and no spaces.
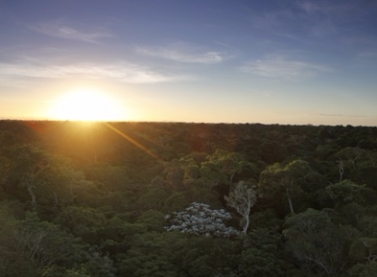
{"x":183,"y":52}
{"x":271,"y":20}
{"x":123,"y":72}
{"x":340,"y":115}
{"x":293,"y":25}
{"x":279,"y":67}
{"x":267,"y":94}
{"x":368,"y":54}
{"x":327,"y":17}
{"x":65,"y":32}
{"x":326,"y":7}
{"x":309,"y":19}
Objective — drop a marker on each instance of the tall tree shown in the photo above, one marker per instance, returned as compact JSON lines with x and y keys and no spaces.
{"x":29,"y":163}
{"x":222,"y":166}
{"x":242,"y":198}
{"x":279,"y":178}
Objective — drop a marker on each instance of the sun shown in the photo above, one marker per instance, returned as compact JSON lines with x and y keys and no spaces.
{"x":86,"y":105}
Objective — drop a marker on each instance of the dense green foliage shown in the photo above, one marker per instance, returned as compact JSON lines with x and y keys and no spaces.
{"x":97,"y":199}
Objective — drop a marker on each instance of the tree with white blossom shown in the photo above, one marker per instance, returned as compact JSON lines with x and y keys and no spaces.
{"x":200,"y":219}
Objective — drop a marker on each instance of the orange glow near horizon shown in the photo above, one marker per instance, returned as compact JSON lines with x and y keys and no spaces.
{"x":87,"y":105}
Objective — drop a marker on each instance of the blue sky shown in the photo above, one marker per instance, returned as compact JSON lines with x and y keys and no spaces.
{"x":287,"y":62}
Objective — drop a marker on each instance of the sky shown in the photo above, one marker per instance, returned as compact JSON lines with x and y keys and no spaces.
{"x":229,"y":61}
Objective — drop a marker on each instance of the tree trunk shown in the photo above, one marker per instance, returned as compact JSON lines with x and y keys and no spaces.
{"x":32,"y":194}
{"x":231,"y":179}
{"x":246,"y":224}
{"x":289,"y":201}
{"x":341,"y":170}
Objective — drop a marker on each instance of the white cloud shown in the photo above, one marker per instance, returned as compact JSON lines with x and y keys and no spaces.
{"x":123,"y":72}
{"x":279,"y":67}
{"x":65,"y":32}
{"x":182,"y":52}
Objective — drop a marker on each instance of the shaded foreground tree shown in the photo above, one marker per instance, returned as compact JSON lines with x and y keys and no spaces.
{"x":318,"y":245}
{"x":263,"y":255}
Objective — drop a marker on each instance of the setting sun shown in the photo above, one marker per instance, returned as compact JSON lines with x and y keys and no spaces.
{"x":87,"y":105}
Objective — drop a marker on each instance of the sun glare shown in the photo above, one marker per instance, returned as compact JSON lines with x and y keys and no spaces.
{"x":86,"y":105}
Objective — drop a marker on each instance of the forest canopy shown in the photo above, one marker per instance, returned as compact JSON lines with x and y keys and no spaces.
{"x":187,"y":199}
